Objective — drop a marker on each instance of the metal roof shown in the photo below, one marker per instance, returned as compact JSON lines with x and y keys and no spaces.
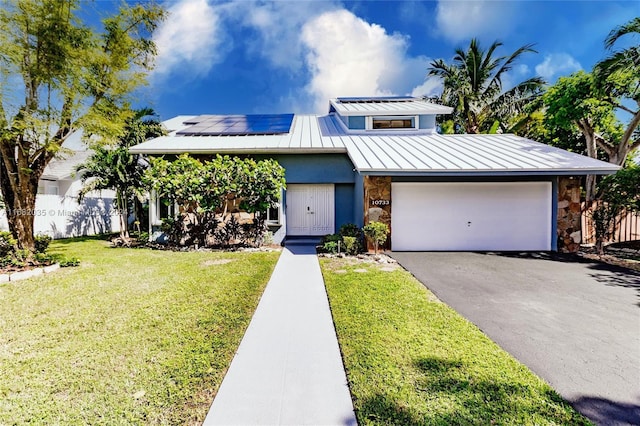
{"x":305,"y":135}
{"x":439,"y":155}
{"x":386,"y":106}
{"x":396,"y":152}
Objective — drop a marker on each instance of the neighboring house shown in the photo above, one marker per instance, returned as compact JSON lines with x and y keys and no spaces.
{"x":57,"y":212}
{"x":381,"y":159}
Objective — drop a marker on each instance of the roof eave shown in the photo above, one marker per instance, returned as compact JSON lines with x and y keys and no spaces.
{"x":333,"y":150}
{"x":471,"y":173}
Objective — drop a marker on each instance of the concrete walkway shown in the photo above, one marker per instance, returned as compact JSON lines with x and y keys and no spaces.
{"x":288,"y":368}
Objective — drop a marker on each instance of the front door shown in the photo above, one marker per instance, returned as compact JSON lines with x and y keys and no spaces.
{"x":310,"y":209}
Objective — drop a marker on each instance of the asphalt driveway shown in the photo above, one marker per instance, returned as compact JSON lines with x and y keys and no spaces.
{"x":574,"y":323}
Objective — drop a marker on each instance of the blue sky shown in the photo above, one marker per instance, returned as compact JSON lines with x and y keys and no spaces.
{"x":292,"y":56}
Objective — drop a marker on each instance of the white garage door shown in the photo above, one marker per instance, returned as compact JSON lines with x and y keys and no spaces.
{"x":471,"y":216}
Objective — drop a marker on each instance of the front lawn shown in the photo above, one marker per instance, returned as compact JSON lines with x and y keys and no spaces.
{"x":412,"y":360}
{"x":131,"y":336}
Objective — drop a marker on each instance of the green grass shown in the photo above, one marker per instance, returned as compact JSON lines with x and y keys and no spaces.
{"x":131,"y":336}
{"x":412,"y":360}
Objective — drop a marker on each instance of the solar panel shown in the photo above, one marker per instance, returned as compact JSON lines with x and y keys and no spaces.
{"x":376,"y":100}
{"x":234,"y":125}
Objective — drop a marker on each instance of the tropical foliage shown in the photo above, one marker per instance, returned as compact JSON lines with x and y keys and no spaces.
{"x":473,"y":86}
{"x":115,"y":168}
{"x":58,"y":75}
{"x":203,"y":191}
{"x":616,"y":194}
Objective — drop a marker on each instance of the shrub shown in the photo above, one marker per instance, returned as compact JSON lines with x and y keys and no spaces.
{"x":330,"y":247}
{"x":71,"y":261}
{"x":143,"y":237}
{"x":351,"y":230}
{"x":7,"y":244}
{"x":376,"y":232}
{"x":350,"y":245}
{"x":42,"y":242}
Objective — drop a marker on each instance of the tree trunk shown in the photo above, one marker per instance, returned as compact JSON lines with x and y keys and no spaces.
{"x":20,"y":205}
{"x":123,"y":210}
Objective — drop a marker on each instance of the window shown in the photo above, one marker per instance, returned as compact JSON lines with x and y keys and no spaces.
{"x":164,"y":210}
{"x":160,"y":210}
{"x":273,"y":215}
{"x":392,"y":123}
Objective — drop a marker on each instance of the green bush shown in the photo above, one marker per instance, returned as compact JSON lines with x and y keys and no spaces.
{"x":71,"y":261}
{"x":351,"y":230}
{"x":143,"y":237}
{"x":350,"y":245}
{"x":7,"y":244}
{"x":330,"y":247}
{"x":42,"y":242}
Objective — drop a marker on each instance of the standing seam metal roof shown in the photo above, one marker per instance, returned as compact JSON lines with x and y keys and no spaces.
{"x":394,"y":153}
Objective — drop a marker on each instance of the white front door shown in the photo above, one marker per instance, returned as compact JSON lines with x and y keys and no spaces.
{"x":310,"y":209}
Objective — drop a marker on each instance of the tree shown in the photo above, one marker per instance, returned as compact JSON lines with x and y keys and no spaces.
{"x":473,"y":86}
{"x":72,"y":77}
{"x":573,"y":103}
{"x":202,"y":190}
{"x":115,"y":168}
{"x":617,"y":79}
{"x":616,"y":194}
{"x":377,"y":232}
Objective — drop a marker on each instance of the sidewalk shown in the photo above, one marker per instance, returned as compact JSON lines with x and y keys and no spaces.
{"x":288,"y":369}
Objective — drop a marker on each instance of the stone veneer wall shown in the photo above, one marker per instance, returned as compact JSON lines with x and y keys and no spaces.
{"x":569,"y":226}
{"x":377,"y":203}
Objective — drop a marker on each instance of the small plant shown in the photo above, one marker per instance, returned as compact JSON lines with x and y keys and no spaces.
{"x":68,"y":262}
{"x":330,"y":247}
{"x":351,"y":230}
{"x":7,"y":244}
{"x":377,"y":233}
{"x":42,"y":242}
{"x":143,"y":237}
{"x":350,"y":245}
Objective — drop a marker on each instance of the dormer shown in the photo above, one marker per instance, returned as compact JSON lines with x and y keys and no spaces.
{"x":387,"y":114}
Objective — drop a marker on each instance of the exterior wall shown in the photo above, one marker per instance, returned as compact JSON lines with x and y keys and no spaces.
{"x":428,"y":122}
{"x":377,"y":207}
{"x":62,"y":217}
{"x":357,"y":122}
{"x":569,"y":224}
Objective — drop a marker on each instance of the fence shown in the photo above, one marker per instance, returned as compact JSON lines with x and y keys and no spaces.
{"x":627,"y":227}
{"x":62,"y":217}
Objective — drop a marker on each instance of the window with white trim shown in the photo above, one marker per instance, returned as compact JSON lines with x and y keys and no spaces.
{"x":392,"y":122}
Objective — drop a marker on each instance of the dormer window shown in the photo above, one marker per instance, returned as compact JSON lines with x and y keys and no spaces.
{"x":392,"y":122}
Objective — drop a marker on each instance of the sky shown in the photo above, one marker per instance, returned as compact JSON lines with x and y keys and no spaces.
{"x":246,"y":57}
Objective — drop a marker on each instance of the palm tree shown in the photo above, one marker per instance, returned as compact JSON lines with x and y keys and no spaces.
{"x":627,"y":60}
{"x":473,"y":86}
{"x":115,"y":168}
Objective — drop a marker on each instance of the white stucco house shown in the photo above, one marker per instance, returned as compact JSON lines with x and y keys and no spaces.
{"x":381,"y":159}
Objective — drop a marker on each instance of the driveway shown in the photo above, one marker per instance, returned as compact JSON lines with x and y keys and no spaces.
{"x":575,"y":323}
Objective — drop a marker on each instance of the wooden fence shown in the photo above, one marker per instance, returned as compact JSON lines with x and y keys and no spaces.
{"x":627,"y":227}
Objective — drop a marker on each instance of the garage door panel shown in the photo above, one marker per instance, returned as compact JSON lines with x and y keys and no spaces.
{"x":471,"y":216}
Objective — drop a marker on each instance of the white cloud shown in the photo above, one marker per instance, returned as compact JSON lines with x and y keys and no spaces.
{"x":278,"y":25}
{"x":190,"y":40}
{"x":348,"y":56}
{"x":556,"y":64}
{"x":461,"y":20}
{"x":431,"y":87}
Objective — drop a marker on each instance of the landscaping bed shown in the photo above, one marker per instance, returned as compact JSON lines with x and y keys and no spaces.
{"x":412,"y":360}
{"x":625,"y":254}
{"x":129,"y":337}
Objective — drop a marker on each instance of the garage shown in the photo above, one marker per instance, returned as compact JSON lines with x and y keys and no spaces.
{"x":471,"y":216}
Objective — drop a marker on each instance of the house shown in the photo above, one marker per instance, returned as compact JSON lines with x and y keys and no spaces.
{"x":57,"y":211}
{"x":381,"y":159}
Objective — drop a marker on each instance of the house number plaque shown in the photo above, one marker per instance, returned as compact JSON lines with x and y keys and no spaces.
{"x":380,"y":203}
